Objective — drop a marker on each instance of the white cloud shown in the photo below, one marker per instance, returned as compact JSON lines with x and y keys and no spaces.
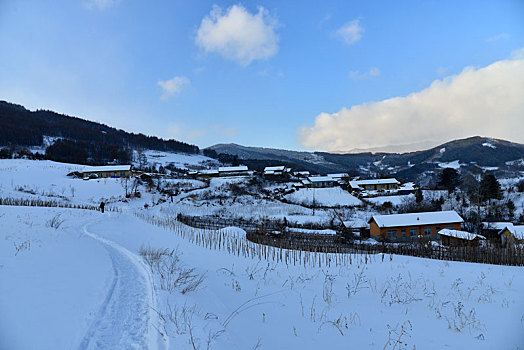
{"x":238,"y":35}
{"x":501,"y":36}
{"x":485,"y":101}
{"x":372,"y":73}
{"x":100,"y":4}
{"x":351,"y":32}
{"x":173,"y":86}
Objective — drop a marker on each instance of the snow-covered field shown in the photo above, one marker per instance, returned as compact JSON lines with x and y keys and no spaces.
{"x":84,"y":285}
{"x":179,"y":160}
{"x":329,"y":197}
{"x":72,"y":278}
{"x":48,"y":180}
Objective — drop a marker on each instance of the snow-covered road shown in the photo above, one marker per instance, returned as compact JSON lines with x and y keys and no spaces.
{"x":125,"y":319}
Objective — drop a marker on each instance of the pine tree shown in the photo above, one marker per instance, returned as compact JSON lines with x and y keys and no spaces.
{"x":449,"y":179}
{"x":490,"y":188}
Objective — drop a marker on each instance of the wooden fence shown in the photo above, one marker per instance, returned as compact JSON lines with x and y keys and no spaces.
{"x":513,"y":256}
{"x":326,"y":250}
{"x":249,"y":225}
{"x":50,"y":204}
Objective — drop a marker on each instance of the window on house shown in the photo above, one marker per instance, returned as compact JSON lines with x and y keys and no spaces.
{"x":427,"y":231}
{"x":449,"y":227}
{"x":413,"y":232}
{"x":392,"y":234}
{"x":403,"y":233}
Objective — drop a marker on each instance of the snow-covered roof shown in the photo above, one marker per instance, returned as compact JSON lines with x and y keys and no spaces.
{"x":408,"y":186}
{"x":377,"y":181}
{"x":274,"y":168}
{"x":516,"y":230}
{"x":232,"y":168}
{"x":338,"y":176}
{"x":460,"y":234}
{"x":500,"y":225}
{"x":411,"y":219}
{"x":95,"y":169}
{"x":208,"y":172}
{"x":320,"y":179}
{"x":354,"y":184}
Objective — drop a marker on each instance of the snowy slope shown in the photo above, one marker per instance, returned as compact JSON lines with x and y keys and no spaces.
{"x":179,"y":160}
{"x":329,"y":197}
{"x":48,"y":180}
{"x":85,"y":283}
{"x":242,"y":301}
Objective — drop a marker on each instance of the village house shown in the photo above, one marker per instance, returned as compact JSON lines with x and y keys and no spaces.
{"x":341,"y":178}
{"x":374,"y":184}
{"x":301,"y":174}
{"x":274,"y":170}
{"x":504,"y":233}
{"x":208,"y":173}
{"x":277,"y":173}
{"x":319,"y":182}
{"x":240,"y":170}
{"x":459,"y":238}
{"x":106,"y":171}
{"x":411,"y":226}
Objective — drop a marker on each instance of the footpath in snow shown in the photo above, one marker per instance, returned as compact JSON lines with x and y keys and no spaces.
{"x":125,"y":318}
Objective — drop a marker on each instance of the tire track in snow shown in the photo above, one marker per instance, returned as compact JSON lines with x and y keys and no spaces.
{"x":126,"y":319}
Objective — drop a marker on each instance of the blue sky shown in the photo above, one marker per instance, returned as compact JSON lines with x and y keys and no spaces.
{"x":298,"y":75}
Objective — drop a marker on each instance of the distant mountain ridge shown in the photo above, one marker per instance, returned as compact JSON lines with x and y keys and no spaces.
{"x":85,"y":142}
{"x":472,"y":154}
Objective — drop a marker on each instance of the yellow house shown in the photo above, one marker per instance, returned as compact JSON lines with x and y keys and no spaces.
{"x":511,"y":235}
{"x":106,"y":171}
{"x":375,"y":184}
{"x":411,"y":226}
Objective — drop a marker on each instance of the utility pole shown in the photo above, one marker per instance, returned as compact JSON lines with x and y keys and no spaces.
{"x":314,"y":204}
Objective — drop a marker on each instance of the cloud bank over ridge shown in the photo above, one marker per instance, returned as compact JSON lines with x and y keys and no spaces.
{"x":486,"y":101}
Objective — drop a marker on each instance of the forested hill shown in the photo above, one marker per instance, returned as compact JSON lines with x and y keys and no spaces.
{"x":22,"y":127}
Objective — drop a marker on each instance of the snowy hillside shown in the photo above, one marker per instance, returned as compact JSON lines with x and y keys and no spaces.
{"x":179,"y":160}
{"x":48,"y":180}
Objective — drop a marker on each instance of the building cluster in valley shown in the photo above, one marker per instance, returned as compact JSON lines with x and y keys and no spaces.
{"x":443,"y":226}
{"x":302,"y":179}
